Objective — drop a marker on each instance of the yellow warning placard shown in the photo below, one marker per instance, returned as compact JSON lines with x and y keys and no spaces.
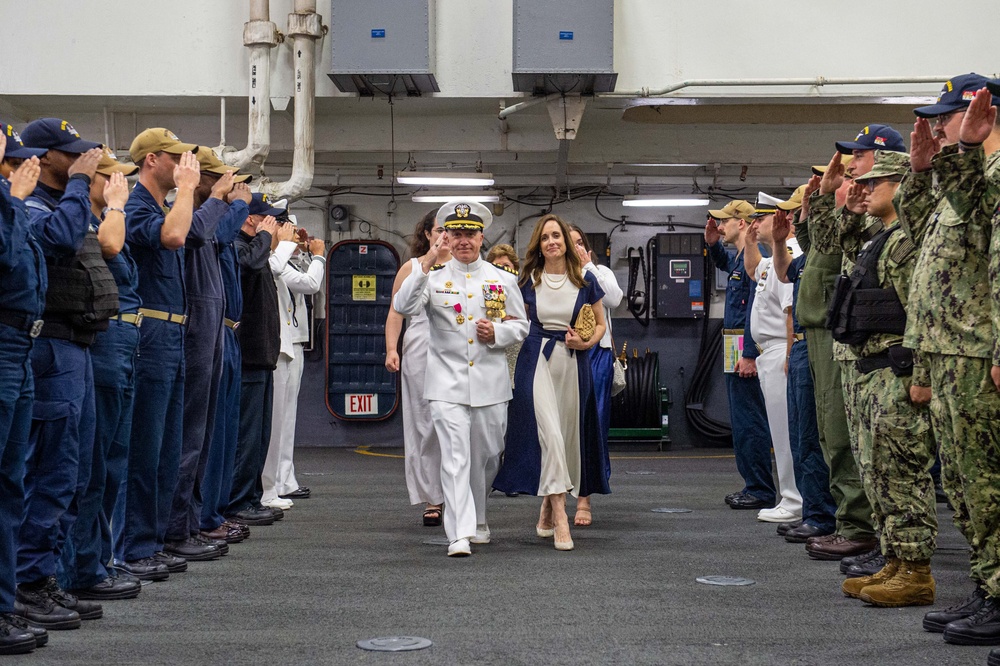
{"x":363,"y":288}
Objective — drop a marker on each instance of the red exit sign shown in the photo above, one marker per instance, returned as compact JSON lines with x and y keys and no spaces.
{"x":361,"y":404}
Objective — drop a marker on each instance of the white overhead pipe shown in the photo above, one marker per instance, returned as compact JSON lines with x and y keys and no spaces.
{"x":305,"y":26}
{"x":709,"y":83}
{"x":260,"y":35}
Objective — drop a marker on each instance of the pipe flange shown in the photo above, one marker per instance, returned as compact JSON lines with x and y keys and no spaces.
{"x":305,"y":25}
{"x":260,"y":33}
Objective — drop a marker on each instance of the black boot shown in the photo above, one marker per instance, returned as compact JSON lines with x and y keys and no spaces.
{"x":982,"y":628}
{"x":33,"y":603}
{"x":88,"y":610}
{"x":14,"y":639}
{"x":936,"y":621}
{"x":41,"y":636}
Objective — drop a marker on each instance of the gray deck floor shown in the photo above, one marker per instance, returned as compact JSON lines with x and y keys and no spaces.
{"x":350,"y":564}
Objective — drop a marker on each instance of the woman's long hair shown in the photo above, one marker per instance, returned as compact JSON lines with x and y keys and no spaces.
{"x":419,"y":243}
{"x":586,"y":241}
{"x":534,"y":260}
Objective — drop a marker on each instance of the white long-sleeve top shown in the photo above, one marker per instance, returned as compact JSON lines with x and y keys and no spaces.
{"x":612,"y":295}
{"x":293,"y":286}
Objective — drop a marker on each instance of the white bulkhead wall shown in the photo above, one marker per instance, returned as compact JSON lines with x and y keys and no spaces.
{"x":194,"y":47}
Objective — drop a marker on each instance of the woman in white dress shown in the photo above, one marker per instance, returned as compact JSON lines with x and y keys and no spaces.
{"x":552,"y":437}
{"x":420,"y":446}
{"x":602,"y":359}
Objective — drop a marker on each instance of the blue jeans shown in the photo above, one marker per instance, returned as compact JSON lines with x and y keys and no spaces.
{"x":17,"y":392}
{"x":217,"y":483}
{"x":751,"y":436}
{"x":812,"y":476}
{"x":60,"y":452}
{"x":256,"y":396}
{"x":87,"y":552}
{"x":155,"y":449}
{"x":203,"y":369}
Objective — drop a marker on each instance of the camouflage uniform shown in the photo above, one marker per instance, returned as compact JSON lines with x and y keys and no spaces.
{"x":895,"y":448}
{"x":835,"y":395}
{"x":946,"y":212}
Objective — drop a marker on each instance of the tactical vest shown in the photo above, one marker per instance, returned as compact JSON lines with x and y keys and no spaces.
{"x":859,"y":307}
{"x":82,"y":294}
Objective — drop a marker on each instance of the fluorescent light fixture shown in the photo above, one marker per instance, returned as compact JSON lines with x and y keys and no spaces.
{"x":662,"y":200}
{"x":444,"y":178}
{"x":487,"y":196}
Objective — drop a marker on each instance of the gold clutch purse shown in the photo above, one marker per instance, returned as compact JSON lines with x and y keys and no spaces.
{"x":585,"y":323}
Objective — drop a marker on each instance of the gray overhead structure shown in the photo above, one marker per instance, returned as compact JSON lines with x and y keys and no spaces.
{"x":382,"y":47}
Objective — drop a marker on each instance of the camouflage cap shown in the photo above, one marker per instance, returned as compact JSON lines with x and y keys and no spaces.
{"x":795,"y":201}
{"x":735,"y":208}
{"x":888,"y":164}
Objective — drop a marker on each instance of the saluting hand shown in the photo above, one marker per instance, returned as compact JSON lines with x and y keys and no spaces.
{"x":781,"y":227}
{"x":116,"y":191}
{"x":712,"y":235}
{"x":856,"y":195}
{"x":924,"y":145}
{"x":429,"y":259}
{"x":240,"y":192}
{"x":980,"y":118}
{"x":223,"y":186}
{"x":86,"y":163}
{"x":187,"y":173}
{"x":268,"y":224}
{"x":811,"y":186}
{"x":3,"y":145}
{"x":834,"y":176}
{"x":25,"y":178}
{"x":286,"y":231}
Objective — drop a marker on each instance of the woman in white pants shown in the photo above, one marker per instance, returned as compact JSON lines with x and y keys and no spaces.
{"x":294,"y":279}
{"x":420,"y":445}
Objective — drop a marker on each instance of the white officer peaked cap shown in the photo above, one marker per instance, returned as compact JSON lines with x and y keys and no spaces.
{"x":464,"y":214}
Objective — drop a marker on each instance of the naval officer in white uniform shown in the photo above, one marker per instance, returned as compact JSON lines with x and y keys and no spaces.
{"x":475,"y":311}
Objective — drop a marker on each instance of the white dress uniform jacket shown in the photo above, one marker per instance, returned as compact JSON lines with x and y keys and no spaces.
{"x":460,"y":369}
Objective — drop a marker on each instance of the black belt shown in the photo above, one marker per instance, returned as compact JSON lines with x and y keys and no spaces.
{"x":897,"y":357}
{"x":22,"y":322}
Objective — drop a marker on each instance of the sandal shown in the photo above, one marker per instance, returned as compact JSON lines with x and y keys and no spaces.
{"x":432,"y":516}
{"x":583,"y":518}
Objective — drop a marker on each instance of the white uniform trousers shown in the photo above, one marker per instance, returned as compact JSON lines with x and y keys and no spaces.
{"x":774,"y":385}
{"x":278,"y":477}
{"x":471,"y":440}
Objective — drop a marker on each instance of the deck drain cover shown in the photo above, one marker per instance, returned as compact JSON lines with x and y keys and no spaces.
{"x":641,"y":473}
{"x":437,"y":541}
{"x":667,"y":510}
{"x":724,"y":580}
{"x":395,"y":644}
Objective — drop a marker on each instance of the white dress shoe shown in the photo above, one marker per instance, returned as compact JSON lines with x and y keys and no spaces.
{"x":278,"y":503}
{"x":482,"y":534}
{"x":778,"y":514}
{"x":460,"y":548}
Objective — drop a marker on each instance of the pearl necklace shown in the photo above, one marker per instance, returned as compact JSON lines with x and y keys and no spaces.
{"x":554,"y":282}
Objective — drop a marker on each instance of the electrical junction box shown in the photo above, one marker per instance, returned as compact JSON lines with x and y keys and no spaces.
{"x":382,"y":47}
{"x":564,"y":46}
{"x":680,"y":277}
{"x":338,"y":219}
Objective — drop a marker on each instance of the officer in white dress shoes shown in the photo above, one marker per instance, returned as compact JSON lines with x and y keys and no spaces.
{"x":475,"y":311}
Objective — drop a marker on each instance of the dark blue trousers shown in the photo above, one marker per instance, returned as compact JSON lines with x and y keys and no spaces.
{"x":60,"y":452}
{"x":256,"y":397}
{"x":751,"y":436}
{"x":812,"y":476}
{"x":87,"y":551}
{"x":602,"y":368}
{"x":217,"y":484}
{"x":17,"y":392}
{"x":203,"y":362}
{"x":155,"y":449}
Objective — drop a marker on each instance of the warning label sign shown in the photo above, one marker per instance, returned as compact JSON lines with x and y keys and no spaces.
{"x":363,"y":288}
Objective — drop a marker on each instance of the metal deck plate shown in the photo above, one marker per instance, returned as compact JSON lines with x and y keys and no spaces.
{"x":668,"y":510}
{"x":725,"y":581}
{"x":394,"y":644}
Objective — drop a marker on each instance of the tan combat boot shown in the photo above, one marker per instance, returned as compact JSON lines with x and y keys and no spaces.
{"x":912,"y":585}
{"x":852,"y":586}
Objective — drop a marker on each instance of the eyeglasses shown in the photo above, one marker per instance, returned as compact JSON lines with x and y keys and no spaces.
{"x":871,"y":184}
{"x":945,"y":118}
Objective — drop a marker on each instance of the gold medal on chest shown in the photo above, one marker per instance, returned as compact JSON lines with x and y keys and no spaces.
{"x":448,"y":284}
{"x":460,"y":319}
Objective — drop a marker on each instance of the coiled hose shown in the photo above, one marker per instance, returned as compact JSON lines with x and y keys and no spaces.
{"x":719,"y":433}
{"x":638,"y":406}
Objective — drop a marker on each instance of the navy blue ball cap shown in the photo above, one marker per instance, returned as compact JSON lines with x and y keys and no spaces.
{"x":15,"y":146}
{"x":957,"y":94}
{"x":55,"y":134}
{"x":994,"y":86}
{"x":260,"y":204}
{"x":874,"y":137}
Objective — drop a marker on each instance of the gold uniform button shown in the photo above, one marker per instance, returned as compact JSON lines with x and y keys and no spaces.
{"x":470,"y":341}
{"x":446,"y":302}
{"x":468,"y":275}
{"x":470,"y":364}
{"x":472,"y":295}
